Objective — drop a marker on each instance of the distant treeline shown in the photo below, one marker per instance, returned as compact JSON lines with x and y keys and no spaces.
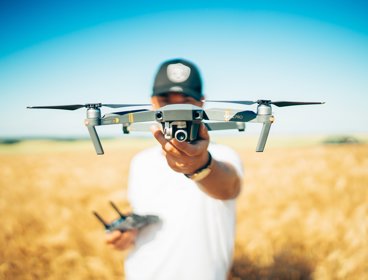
{"x":16,"y":140}
{"x":345,"y":139}
{"x":342,"y":140}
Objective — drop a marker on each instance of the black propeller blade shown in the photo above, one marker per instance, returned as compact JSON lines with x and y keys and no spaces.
{"x":233,"y":101}
{"x":88,"y":105}
{"x":60,"y":107}
{"x":293,"y":103}
{"x":129,"y":111}
{"x":124,"y":105}
{"x":267,"y":102}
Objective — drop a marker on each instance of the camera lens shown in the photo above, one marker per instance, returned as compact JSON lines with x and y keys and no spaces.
{"x":181,"y":135}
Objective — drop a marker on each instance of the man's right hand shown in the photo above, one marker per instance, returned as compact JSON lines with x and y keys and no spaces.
{"x":121,"y":240}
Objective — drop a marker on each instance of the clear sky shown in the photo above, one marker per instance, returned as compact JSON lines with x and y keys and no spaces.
{"x":72,"y":52}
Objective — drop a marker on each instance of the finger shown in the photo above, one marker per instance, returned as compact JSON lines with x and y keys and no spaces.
{"x":180,"y":145}
{"x":167,"y":146}
{"x":127,"y":239}
{"x":175,"y":164}
{"x":112,"y":237}
{"x":196,"y":147}
{"x":123,"y":243}
{"x":191,"y":149}
{"x":179,"y":164}
{"x":203,"y":132}
{"x":157,"y":133}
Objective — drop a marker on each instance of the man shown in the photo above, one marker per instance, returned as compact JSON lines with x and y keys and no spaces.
{"x":192,"y":188}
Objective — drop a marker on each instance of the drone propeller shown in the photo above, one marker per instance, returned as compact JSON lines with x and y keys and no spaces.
{"x":267,"y":102}
{"x":290,"y":103}
{"x":129,"y":111}
{"x":88,"y":105}
{"x":233,"y":101}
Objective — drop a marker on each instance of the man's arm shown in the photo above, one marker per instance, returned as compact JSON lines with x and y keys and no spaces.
{"x":223,"y":182}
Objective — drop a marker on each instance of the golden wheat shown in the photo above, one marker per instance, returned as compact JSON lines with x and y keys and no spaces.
{"x":302,"y":213}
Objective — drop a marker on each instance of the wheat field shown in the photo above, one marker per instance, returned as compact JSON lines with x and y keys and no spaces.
{"x":302,"y":213}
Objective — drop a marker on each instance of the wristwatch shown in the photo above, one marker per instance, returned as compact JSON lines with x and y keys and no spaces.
{"x":202,"y":172}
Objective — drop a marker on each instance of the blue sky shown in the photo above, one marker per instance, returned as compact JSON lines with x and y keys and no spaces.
{"x":91,"y":51}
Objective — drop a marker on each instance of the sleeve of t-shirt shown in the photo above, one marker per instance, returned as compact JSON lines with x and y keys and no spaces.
{"x":227,"y":154}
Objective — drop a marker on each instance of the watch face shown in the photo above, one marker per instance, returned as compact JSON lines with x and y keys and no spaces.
{"x":201,"y":174}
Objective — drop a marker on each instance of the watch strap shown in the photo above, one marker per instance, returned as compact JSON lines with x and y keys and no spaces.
{"x":201,"y":172}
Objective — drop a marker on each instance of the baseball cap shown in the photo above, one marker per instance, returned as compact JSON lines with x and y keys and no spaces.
{"x":178,"y":75}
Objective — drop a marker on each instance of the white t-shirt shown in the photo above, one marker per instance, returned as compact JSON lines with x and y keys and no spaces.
{"x":195,"y":236}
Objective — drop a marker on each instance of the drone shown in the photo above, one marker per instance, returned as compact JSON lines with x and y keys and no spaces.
{"x":180,"y":121}
{"x":127,"y":222}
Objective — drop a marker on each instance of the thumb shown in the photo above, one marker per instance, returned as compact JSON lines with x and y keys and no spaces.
{"x":203,"y":132}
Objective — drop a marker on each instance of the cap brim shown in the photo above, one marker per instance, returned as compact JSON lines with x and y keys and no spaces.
{"x":187,"y":91}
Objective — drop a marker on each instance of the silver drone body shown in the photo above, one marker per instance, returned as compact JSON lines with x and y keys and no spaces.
{"x":180,"y":121}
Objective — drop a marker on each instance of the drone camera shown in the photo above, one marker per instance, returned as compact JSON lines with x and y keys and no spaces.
{"x":177,"y":130}
{"x":180,"y":130}
{"x":168,"y":133}
{"x":181,"y":135}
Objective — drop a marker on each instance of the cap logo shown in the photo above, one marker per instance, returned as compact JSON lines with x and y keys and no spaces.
{"x":178,"y":72}
{"x":176,"y":89}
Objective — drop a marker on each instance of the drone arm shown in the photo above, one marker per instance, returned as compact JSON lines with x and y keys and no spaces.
{"x":219,"y":114}
{"x":221,"y":125}
{"x":95,"y":139}
{"x":263,"y":137}
{"x":229,"y":115}
{"x":128,"y":117}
